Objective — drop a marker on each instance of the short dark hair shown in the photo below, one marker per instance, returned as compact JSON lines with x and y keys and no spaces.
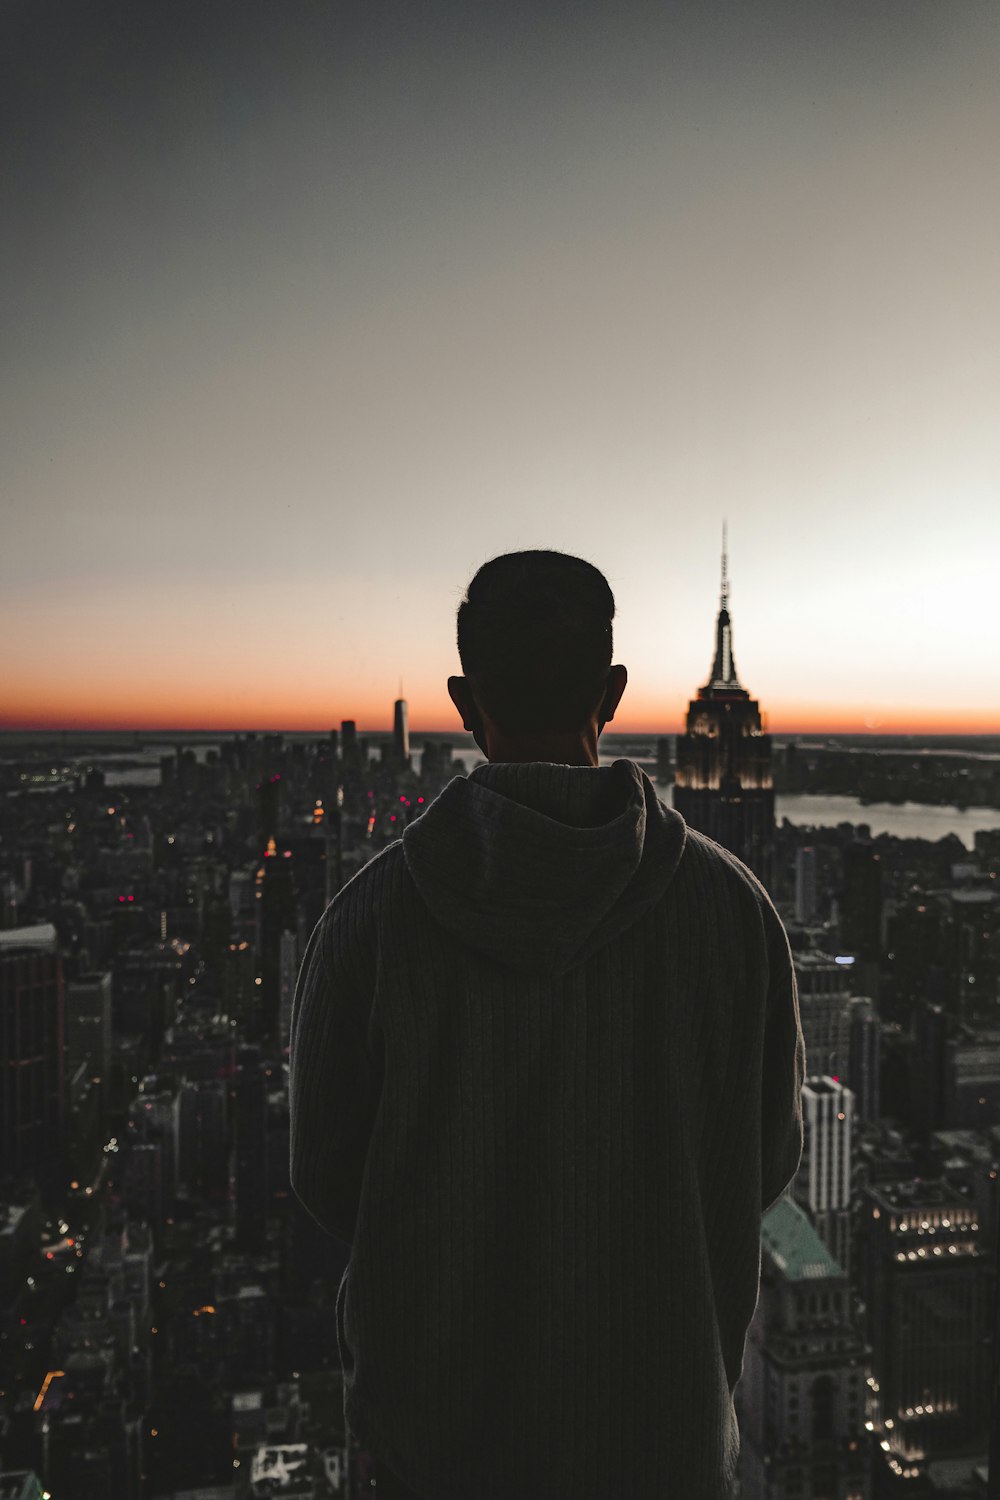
{"x":534,"y":637}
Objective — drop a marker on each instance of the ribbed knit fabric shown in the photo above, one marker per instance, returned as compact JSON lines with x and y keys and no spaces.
{"x":546,"y":1065}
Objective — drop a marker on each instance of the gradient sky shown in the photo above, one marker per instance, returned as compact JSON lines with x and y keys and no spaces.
{"x":308,"y":309}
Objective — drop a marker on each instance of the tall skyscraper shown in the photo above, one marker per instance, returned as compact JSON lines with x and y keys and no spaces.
{"x":861,"y":900}
{"x":864,"y":1056}
{"x":277,"y":908}
{"x":805,"y":884}
{"x":400,"y":734}
{"x":203,"y":1123}
{"x":824,"y":986}
{"x":926,"y":1286}
{"x":822,"y":1185}
{"x":88,"y":1022}
{"x":268,"y":808}
{"x":723,"y":783}
{"x":929,"y":1028}
{"x":32,"y":1038}
{"x":802,"y":1399}
{"x":349,"y":749}
{"x":288,"y":968}
{"x":251,"y":1149}
{"x":861,"y":907}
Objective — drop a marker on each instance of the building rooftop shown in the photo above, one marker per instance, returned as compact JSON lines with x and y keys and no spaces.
{"x":818,"y":958}
{"x":284,"y":1466}
{"x":19,"y":1484}
{"x":11,"y":1215}
{"x":822,"y":1083}
{"x":793,"y":1244}
{"x":212,"y":1492}
{"x":918,"y":1193}
{"x":41,"y":935}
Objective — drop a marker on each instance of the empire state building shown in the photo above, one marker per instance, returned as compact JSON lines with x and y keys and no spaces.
{"x":723,"y":785}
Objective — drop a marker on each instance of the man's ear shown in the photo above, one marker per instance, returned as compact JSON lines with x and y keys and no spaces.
{"x":617,"y":680}
{"x":460,"y":695}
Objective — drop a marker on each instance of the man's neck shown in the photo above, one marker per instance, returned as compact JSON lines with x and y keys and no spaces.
{"x":577,"y":749}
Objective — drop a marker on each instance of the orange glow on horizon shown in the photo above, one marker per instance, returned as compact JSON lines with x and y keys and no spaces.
{"x":430,"y":711}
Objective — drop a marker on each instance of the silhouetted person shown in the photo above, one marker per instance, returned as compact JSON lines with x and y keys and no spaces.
{"x":546,"y":1065}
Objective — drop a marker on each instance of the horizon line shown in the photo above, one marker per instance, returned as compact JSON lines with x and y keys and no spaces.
{"x":867,"y":731}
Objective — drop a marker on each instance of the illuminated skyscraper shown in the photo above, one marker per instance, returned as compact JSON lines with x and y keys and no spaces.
{"x":926,"y":1285}
{"x":822,"y":1185}
{"x":723,"y":784}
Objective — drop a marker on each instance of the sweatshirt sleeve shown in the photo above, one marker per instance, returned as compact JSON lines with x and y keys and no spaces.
{"x":784,"y":1069}
{"x":334,"y":1082}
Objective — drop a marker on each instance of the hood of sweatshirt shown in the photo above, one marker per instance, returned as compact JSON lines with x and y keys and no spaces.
{"x":538,"y":865}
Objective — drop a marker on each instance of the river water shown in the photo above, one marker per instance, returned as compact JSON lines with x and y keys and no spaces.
{"x":904,"y":820}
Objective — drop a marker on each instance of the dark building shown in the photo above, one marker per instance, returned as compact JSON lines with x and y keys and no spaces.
{"x":922,"y":957}
{"x":276,"y":911}
{"x":435,"y":764}
{"x":268,"y":809}
{"x":20,"y":1484}
{"x":32,"y":1069}
{"x":824,"y":987}
{"x":85,"y":1134}
{"x":929,"y":1029}
{"x":143,"y":1183}
{"x":251,"y":1149}
{"x":926,"y":1298}
{"x":803,"y":1398}
{"x":723,"y":785}
{"x":400,"y":735}
{"x":21,"y":1218}
{"x":864,"y":1053}
{"x":861,"y":900}
{"x":350,"y":750}
{"x":88,"y":1022}
{"x":203,"y":1123}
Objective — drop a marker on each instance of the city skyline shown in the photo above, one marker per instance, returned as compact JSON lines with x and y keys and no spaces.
{"x":310,"y":314}
{"x":155,"y":908}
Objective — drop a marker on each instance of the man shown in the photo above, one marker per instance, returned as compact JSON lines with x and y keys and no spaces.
{"x":546,"y":1064}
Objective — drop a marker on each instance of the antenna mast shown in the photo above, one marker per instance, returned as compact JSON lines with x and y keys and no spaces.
{"x":725,"y":578}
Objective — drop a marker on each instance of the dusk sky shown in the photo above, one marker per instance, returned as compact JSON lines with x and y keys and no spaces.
{"x":309,"y":309}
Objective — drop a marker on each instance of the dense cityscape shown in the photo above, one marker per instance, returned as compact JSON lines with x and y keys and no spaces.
{"x":167,"y":1307}
{"x":311,"y":311}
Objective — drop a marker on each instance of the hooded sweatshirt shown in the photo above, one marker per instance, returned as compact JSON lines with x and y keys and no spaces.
{"x":546,"y":1065}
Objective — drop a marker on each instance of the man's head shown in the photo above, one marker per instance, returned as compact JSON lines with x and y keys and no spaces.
{"x":534,"y":638}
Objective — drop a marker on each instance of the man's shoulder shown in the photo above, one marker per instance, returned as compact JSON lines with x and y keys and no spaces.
{"x":353,"y":915}
{"x":742,"y":902}
{"x":709,"y":863}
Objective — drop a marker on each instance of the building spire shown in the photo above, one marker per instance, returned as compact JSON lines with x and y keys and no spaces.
{"x":725,"y":580}
{"x":724,"y":668}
